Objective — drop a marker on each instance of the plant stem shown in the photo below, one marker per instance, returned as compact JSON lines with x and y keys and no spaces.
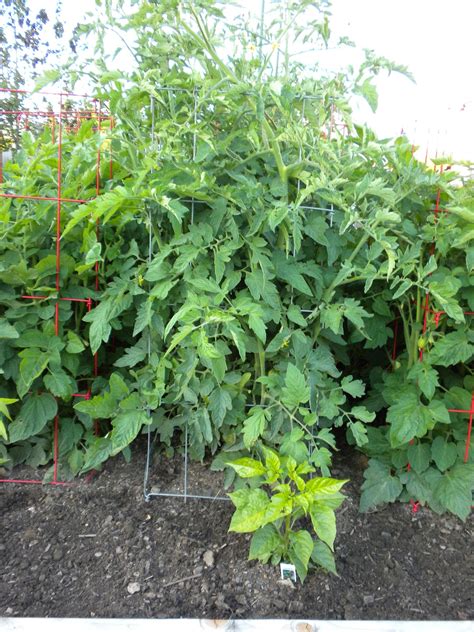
{"x":261,"y":359}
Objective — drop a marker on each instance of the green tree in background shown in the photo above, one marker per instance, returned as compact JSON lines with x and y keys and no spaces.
{"x":26,"y":44}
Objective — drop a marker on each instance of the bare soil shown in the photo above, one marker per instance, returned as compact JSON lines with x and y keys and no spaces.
{"x":97,"y":549}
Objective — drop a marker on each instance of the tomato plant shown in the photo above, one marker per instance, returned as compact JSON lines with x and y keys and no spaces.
{"x":256,"y":248}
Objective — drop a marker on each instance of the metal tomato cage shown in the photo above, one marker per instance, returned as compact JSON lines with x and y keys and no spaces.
{"x":63,"y":118}
{"x":335,"y":126}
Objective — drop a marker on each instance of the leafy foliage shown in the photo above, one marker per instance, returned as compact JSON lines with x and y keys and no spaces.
{"x":272,"y":518}
{"x":253,"y":259}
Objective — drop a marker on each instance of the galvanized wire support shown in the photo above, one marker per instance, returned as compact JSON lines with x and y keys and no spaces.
{"x":147,"y":492}
{"x":329,"y":211}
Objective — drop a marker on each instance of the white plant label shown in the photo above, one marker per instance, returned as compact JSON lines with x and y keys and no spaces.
{"x":288,"y":571}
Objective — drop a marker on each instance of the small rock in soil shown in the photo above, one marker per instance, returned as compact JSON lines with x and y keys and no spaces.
{"x":287,"y":583}
{"x":133,"y":588}
{"x":241,"y":599}
{"x":208,"y":558}
{"x":368,"y":600}
{"x":58,"y":553}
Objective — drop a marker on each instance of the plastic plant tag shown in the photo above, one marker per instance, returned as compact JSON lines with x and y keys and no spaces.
{"x":288,"y":571}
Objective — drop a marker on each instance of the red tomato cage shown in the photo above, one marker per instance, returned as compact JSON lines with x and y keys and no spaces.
{"x":65,"y":114}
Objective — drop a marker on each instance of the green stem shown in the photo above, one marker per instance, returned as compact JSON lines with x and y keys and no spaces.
{"x":329,"y":291}
{"x":287,"y":531}
{"x":406,"y":334}
{"x":261,"y":359}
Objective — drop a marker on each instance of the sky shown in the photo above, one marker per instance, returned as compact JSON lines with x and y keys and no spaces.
{"x":432,"y":37}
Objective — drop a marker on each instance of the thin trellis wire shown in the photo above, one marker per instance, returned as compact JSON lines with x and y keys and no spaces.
{"x":185,"y":495}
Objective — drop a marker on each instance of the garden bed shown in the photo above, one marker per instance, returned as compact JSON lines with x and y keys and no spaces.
{"x":99,"y":550}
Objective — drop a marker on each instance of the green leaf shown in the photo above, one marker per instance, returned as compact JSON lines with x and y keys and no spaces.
{"x":144,"y":314}
{"x":379,"y":487}
{"x":251,"y":508}
{"x":33,"y":363}
{"x":272,"y":464}
{"x":220,"y":402}
{"x":408,"y":418}
{"x":74,"y":343}
{"x":321,"y":487}
{"x":359,"y":432}
{"x":257,"y":325}
{"x":470,"y":259}
{"x":206,"y":349}
{"x":444,"y":453}
{"x":402,"y":288}
{"x":4,"y":403}
{"x":356,"y":388}
{"x":133,"y":356}
{"x":361,"y":412}
{"x":277,"y":215}
{"x":254,"y":425}
{"x":265,"y":541}
{"x":301,"y":548}
{"x":293,"y":446}
{"x":295,"y":391}
{"x":100,"y":328}
{"x":426,"y":377}
{"x":321,"y":359}
{"x":60,"y":384}
{"x":289,"y":271}
{"x":444,"y":291}
{"x":101,"y":406}
{"x":247,"y":467}
{"x":294,"y":314}
{"x":439,"y":412}
{"x":49,"y":76}
{"x":324,"y":523}
{"x":179,"y":336}
{"x":355,"y":313}
{"x":35,"y":413}
{"x":206,"y":285}
{"x":118,"y":387}
{"x":454,"y":492}
{"x":324,"y":557}
{"x":419,"y":456}
{"x":418,"y":485}
{"x":126,"y":427}
{"x":96,"y":454}
{"x":7,"y":331}
{"x":238,"y":336}
{"x":331,"y":317}
{"x":369,"y":92}
{"x":452,"y":348}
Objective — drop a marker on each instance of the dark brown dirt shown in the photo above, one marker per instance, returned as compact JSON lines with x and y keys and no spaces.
{"x":81,"y":551}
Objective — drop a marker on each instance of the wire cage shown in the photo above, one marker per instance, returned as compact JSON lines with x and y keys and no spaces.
{"x":59,"y":122}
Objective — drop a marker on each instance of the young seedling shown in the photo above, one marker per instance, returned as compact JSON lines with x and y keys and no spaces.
{"x":280,"y":497}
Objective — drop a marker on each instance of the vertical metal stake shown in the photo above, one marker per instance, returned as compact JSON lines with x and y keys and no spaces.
{"x":194,"y":147}
{"x":186,"y":461}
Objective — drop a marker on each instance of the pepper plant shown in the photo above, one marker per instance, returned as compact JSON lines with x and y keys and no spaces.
{"x":273,"y":519}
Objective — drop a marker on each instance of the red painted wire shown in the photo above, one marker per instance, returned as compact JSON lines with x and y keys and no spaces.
{"x":56,"y":448}
{"x":57,"y":94}
{"x":61,"y":298}
{"x":34,"y":482}
{"x":469,"y":431}
{"x":80,"y":114}
{"x":44,"y":198}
